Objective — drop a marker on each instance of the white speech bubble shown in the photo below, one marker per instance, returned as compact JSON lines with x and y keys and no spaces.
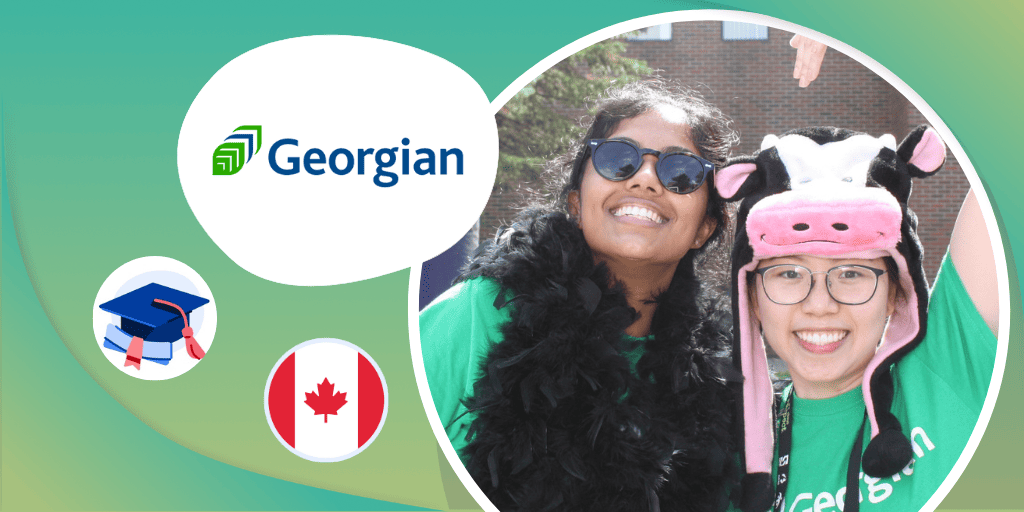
{"x":336,"y":93}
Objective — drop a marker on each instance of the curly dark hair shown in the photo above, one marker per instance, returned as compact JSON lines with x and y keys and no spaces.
{"x":710,"y":130}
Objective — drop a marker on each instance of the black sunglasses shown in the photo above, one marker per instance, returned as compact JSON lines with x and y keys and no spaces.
{"x":679,"y":169}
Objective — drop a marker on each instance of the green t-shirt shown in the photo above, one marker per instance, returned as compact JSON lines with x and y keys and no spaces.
{"x":457,"y":331}
{"x":940,"y":388}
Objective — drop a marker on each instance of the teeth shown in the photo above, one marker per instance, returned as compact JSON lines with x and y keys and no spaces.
{"x":640,"y":212}
{"x":821,"y":337}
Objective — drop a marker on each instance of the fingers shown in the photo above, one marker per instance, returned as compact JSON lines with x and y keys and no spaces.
{"x":797,"y":42}
{"x":815,"y":55}
{"x":809,"y":56}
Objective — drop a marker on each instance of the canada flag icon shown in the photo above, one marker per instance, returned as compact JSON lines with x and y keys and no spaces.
{"x":326,"y":400}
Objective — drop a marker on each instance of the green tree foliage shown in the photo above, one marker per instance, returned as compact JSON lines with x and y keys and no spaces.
{"x":541,"y":120}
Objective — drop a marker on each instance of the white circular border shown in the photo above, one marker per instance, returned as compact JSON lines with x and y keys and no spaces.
{"x":383,"y":416}
{"x":204,"y":334}
{"x":868,"y":62}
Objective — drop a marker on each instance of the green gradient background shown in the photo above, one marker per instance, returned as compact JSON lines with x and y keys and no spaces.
{"x":92,"y":102}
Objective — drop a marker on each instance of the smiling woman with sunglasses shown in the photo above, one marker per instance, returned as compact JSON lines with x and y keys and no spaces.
{"x":573,"y":364}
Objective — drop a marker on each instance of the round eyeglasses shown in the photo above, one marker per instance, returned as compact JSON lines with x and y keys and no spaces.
{"x":789,"y":284}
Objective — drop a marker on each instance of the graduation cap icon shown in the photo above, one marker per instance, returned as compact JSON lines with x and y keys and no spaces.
{"x":153,"y":318}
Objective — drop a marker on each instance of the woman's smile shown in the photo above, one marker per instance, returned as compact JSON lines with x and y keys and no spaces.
{"x":638,"y":220}
{"x":634,"y":211}
{"x":821,"y":341}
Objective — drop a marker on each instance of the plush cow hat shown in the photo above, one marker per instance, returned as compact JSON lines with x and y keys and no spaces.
{"x":828,"y":192}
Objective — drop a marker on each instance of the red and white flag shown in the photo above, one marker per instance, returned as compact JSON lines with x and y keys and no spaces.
{"x":326,"y":400}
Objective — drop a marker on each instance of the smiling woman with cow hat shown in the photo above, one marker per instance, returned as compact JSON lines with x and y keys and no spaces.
{"x":573,"y":365}
{"x":828,"y":271}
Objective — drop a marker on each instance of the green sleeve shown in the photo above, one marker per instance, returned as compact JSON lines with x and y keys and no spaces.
{"x":456,"y":333}
{"x":959,"y":346}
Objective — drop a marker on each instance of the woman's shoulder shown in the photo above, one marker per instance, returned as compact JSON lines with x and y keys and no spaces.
{"x":537,"y":245}
{"x":476,"y":296}
{"x":959,"y":348}
{"x":471,"y":287}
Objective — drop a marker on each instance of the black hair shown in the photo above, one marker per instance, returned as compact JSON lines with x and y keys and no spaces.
{"x":709,"y":129}
{"x":706,"y":268}
{"x":893,"y":270}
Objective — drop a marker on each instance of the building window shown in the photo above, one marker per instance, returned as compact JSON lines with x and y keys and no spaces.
{"x":661,"y":32}
{"x":739,"y":31}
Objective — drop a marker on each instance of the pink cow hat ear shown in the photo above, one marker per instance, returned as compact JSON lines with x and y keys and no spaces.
{"x":729,"y":179}
{"x":768,"y":190}
{"x":927,"y":151}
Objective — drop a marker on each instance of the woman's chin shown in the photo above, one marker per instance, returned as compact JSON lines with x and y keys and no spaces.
{"x":642,"y":248}
{"x":824,"y":381}
{"x":641,"y":256}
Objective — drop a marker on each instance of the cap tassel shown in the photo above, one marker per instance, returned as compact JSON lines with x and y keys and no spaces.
{"x":133,"y":356}
{"x":191,"y":345}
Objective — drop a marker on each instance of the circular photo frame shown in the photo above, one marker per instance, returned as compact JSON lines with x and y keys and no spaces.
{"x":743,"y":63}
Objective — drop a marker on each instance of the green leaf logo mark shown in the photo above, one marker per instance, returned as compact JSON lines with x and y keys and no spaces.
{"x":237,"y":149}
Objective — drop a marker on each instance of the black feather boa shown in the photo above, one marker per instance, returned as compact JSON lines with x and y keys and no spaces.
{"x":562,"y":423}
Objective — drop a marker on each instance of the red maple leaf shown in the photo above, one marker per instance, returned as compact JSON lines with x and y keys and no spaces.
{"x":324,"y":403}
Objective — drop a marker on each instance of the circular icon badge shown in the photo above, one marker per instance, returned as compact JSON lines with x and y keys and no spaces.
{"x":326,"y":400}
{"x":154,"y":318}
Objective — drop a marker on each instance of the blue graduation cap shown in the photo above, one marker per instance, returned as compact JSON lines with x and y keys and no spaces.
{"x":153,"y":317}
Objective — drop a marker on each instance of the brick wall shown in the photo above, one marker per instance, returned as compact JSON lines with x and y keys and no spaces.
{"x":752,"y":82}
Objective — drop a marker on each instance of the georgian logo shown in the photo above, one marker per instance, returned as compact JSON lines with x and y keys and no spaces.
{"x":227,"y":158}
{"x":343,"y":176}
